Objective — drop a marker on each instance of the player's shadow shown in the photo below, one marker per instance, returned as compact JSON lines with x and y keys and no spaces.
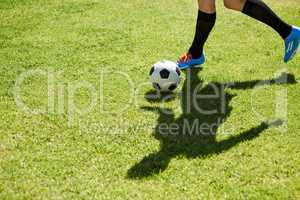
{"x":204,"y":109}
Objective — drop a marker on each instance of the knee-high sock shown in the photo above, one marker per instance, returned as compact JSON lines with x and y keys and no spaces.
{"x":205,"y":23}
{"x":257,"y":9}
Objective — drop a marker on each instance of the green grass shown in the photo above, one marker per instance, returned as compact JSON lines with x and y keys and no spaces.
{"x":60,"y":154}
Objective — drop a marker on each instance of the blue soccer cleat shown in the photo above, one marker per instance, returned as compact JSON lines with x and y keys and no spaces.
{"x":292,"y":44}
{"x":187,"y":61}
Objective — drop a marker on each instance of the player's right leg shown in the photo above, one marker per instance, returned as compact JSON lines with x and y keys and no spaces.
{"x":205,"y":22}
{"x":258,"y":10}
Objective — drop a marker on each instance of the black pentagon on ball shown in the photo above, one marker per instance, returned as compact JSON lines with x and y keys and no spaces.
{"x":172,"y":86}
{"x":178,"y":71}
{"x":156,"y":86}
{"x":164,"y":73}
{"x":151,"y":70}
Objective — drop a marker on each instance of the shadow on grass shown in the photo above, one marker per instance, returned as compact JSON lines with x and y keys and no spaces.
{"x":193,"y":134}
{"x":154,"y":96}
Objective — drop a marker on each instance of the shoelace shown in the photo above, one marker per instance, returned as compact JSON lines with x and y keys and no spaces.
{"x":185,"y":57}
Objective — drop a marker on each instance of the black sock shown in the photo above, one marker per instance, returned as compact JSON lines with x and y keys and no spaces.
{"x":205,"y":23}
{"x":260,"y":11}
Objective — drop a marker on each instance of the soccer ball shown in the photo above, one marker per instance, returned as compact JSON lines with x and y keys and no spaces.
{"x":165,"y":76}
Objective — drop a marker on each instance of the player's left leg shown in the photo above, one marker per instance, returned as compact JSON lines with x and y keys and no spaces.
{"x":257,"y":9}
{"x":205,"y":22}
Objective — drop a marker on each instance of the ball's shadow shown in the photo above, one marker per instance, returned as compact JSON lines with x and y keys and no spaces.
{"x":196,"y":100}
{"x":156,"y":96}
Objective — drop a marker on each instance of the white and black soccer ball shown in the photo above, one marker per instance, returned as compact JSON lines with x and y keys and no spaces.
{"x":165,"y":76}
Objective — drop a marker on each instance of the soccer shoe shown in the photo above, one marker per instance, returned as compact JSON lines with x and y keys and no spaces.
{"x":292,"y":44}
{"x":186,"y":61}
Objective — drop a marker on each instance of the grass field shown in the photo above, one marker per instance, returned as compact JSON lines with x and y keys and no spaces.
{"x":85,"y":50}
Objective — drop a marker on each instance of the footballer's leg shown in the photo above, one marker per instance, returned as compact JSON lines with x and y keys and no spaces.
{"x":257,"y":9}
{"x":205,"y":22}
